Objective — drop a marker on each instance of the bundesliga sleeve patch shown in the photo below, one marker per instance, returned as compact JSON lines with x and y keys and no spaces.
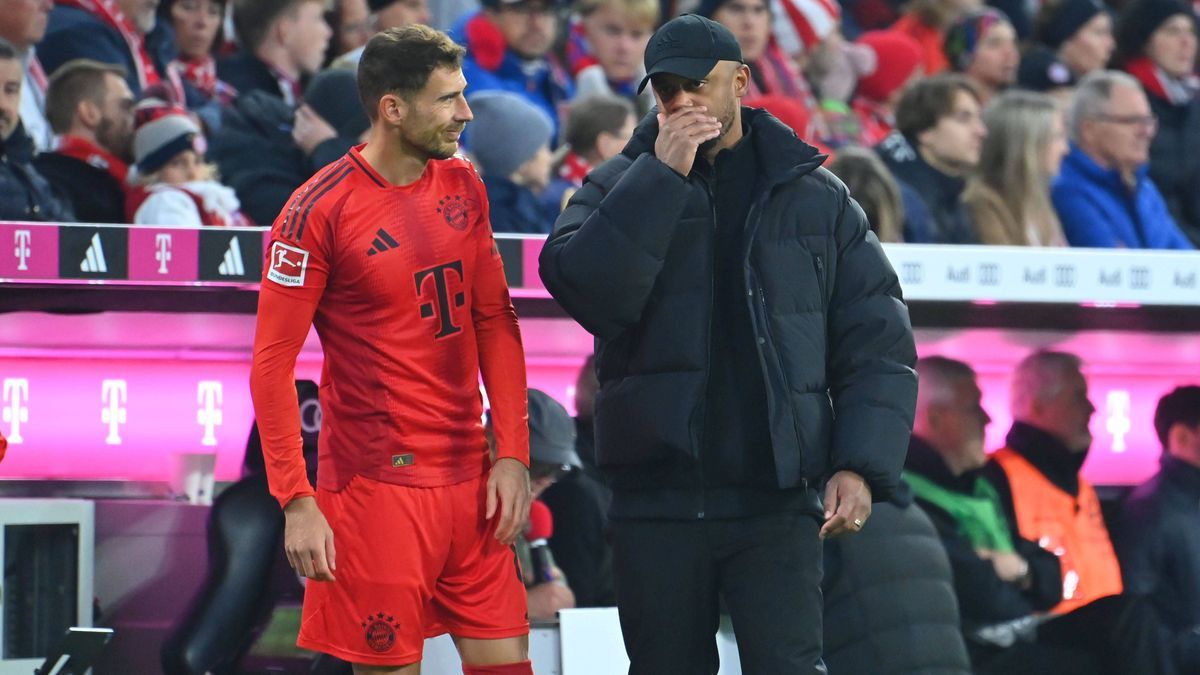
{"x":288,"y":264}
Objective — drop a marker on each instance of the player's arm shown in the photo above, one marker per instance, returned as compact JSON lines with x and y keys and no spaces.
{"x":502,"y":363}
{"x":293,"y":281}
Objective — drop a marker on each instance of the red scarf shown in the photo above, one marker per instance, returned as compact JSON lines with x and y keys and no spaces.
{"x":574,"y":169}
{"x":202,"y":74}
{"x":1156,"y":82}
{"x":92,"y":154}
{"x":875,"y":122}
{"x":112,"y":16}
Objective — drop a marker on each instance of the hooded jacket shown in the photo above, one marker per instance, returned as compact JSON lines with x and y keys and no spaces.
{"x":631,"y":259}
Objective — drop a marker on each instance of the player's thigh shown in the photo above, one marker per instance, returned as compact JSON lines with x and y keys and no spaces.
{"x":476,"y":652}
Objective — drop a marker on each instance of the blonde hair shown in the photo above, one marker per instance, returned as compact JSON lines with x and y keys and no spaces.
{"x":1020,"y":126}
{"x":645,"y":12}
{"x":208,"y":171}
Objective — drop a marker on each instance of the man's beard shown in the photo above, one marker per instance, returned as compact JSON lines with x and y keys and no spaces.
{"x":107,"y":137}
{"x":726,"y":122}
{"x":431,"y":145}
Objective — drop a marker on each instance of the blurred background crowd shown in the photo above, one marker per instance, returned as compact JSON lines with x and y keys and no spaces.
{"x":1056,"y":123}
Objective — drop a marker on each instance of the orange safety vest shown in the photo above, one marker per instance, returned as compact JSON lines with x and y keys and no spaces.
{"x":1069,"y":527}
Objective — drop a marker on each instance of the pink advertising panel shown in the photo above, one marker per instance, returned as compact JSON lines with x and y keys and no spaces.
{"x":163,"y":254}
{"x":28,"y":251}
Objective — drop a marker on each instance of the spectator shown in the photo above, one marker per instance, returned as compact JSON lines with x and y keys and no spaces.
{"x":1157,"y":41}
{"x":23,"y":24}
{"x":91,"y":109}
{"x":1045,"y":499}
{"x":597,"y":128}
{"x":579,"y":503}
{"x":108,"y":31}
{"x":197,"y":25}
{"x":1078,"y":31}
{"x":351,"y":25}
{"x":926,"y":22}
{"x":605,"y":43}
{"x":806,"y":29}
{"x":1103,"y":194}
{"x":875,"y":190}
{"x":508,"y":49}
{"x":983,"y":46}
{"x":511,"y":147}
{"x":1008,"y":197}
{"x":1158,"y":532}
{"x":895,"y":61}
{"x":772,"y":71}
{"x":174,"y":186}
{"x":889,"y":597}
{"x":385,"y":14}
{"x":939,"y":135}
{"x":24,"y":193}
{"x":266,"y":150}
{"x":551,"y":457}
{"x":282,"y":44}
{"x":586,"y":386}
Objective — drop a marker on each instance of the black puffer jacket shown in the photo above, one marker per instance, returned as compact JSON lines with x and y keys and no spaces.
{"x":24,"y":193}
{"x":631,"y":259}
{"x":1174,"y":162}
{"x":889,"y":598}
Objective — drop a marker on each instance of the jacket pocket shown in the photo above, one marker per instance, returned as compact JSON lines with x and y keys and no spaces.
{"x":645,"y":418}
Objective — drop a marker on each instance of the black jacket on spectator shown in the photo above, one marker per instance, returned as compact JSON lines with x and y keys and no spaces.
{"x":247,"y":73}
{"x":73,"y":33}
{"x":24,"y":193}
{"x":632,"y":260}
{"x":1175,"y":162}
{"x":951,"y":224}
{"x":515,"y":208}
{"x":984,"y":598}
{"x":1157,"y":538}
{"x":257,"y":157}
{"x":580,"y":542}
{"x":95,"y":195}
{"x":889,"y":597}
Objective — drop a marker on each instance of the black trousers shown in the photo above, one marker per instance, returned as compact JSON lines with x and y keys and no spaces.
{"x":670,"y":575}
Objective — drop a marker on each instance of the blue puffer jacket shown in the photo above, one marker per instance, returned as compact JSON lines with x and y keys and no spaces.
{"x":1098,"y":210}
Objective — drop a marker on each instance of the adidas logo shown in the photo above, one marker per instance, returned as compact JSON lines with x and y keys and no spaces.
{"x":383,"y":243}
{"x":232,"y":265}
{"x":93,"y":260}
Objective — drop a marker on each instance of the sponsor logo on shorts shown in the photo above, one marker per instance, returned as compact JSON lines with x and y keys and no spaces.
{"x":402,"y":460}
{"x":380,"y":631}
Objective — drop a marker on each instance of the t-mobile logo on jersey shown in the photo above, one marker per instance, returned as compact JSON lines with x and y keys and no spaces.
{"x":441,"y":285}
{"x":22,"y":249}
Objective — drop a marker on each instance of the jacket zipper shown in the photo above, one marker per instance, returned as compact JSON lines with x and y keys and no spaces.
{"x":712,"y":291}
{"x":787,"y":385}
{"x":820,"y":265}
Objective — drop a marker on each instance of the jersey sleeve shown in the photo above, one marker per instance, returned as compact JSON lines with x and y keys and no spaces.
{"x":294,"y":278}
{"x":498,"y":339}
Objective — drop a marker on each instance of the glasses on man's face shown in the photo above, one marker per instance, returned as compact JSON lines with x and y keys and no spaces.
{"x":1142,"y":121}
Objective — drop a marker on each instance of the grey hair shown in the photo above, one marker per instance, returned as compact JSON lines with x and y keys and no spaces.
{"x":938,"y":376}
{"x":1041,"y":376}
{"x":1091,"y":97}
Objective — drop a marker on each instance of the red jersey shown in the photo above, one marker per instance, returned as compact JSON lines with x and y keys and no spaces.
{"x":407,"y":292}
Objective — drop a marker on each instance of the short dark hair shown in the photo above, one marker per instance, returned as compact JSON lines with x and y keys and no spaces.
{"x":593,"y":115}
{"x":928,"y":100}
{"x":400,"y":60}
{"x":252,"y":19}
{"x":8,"y":52}
{"x":1181,"y":406}
{"x":75,"y":81}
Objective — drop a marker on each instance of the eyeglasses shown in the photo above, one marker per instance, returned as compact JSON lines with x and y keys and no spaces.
{"x":1144,"y":121}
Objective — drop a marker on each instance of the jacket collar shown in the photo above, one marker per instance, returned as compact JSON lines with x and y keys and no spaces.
{"x":1111,"y":179}
{"x":19,"y":146}
{"x":781,"y":155}
{"x":1048,"y":455}
{"x":1181,"y":473}
{"x":924,"y":459}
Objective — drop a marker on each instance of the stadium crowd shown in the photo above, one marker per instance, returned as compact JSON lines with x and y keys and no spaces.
{"x":1061,"y":123}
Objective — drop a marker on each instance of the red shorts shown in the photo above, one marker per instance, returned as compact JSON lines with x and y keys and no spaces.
{"x":411,"y":563}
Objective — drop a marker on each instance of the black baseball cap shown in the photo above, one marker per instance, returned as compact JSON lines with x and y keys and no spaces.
{"x":689,"y":46}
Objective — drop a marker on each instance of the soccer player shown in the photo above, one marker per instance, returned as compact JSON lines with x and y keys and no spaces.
{"x":389,"y":252}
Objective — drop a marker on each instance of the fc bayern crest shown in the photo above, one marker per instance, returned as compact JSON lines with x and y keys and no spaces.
{"x":456,"y":211}
{"x":380,"y":631}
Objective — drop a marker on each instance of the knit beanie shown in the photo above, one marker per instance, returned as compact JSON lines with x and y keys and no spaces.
{"x":507,"y":131}
{"x":162,"y":132}
{"x":1040,"y":70}
{"x":1065,"y":20}
{"x":333,"y":94}
{"x":963,"y":38}
{"x":1141,"y":19}
{"x":897,"y":57}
